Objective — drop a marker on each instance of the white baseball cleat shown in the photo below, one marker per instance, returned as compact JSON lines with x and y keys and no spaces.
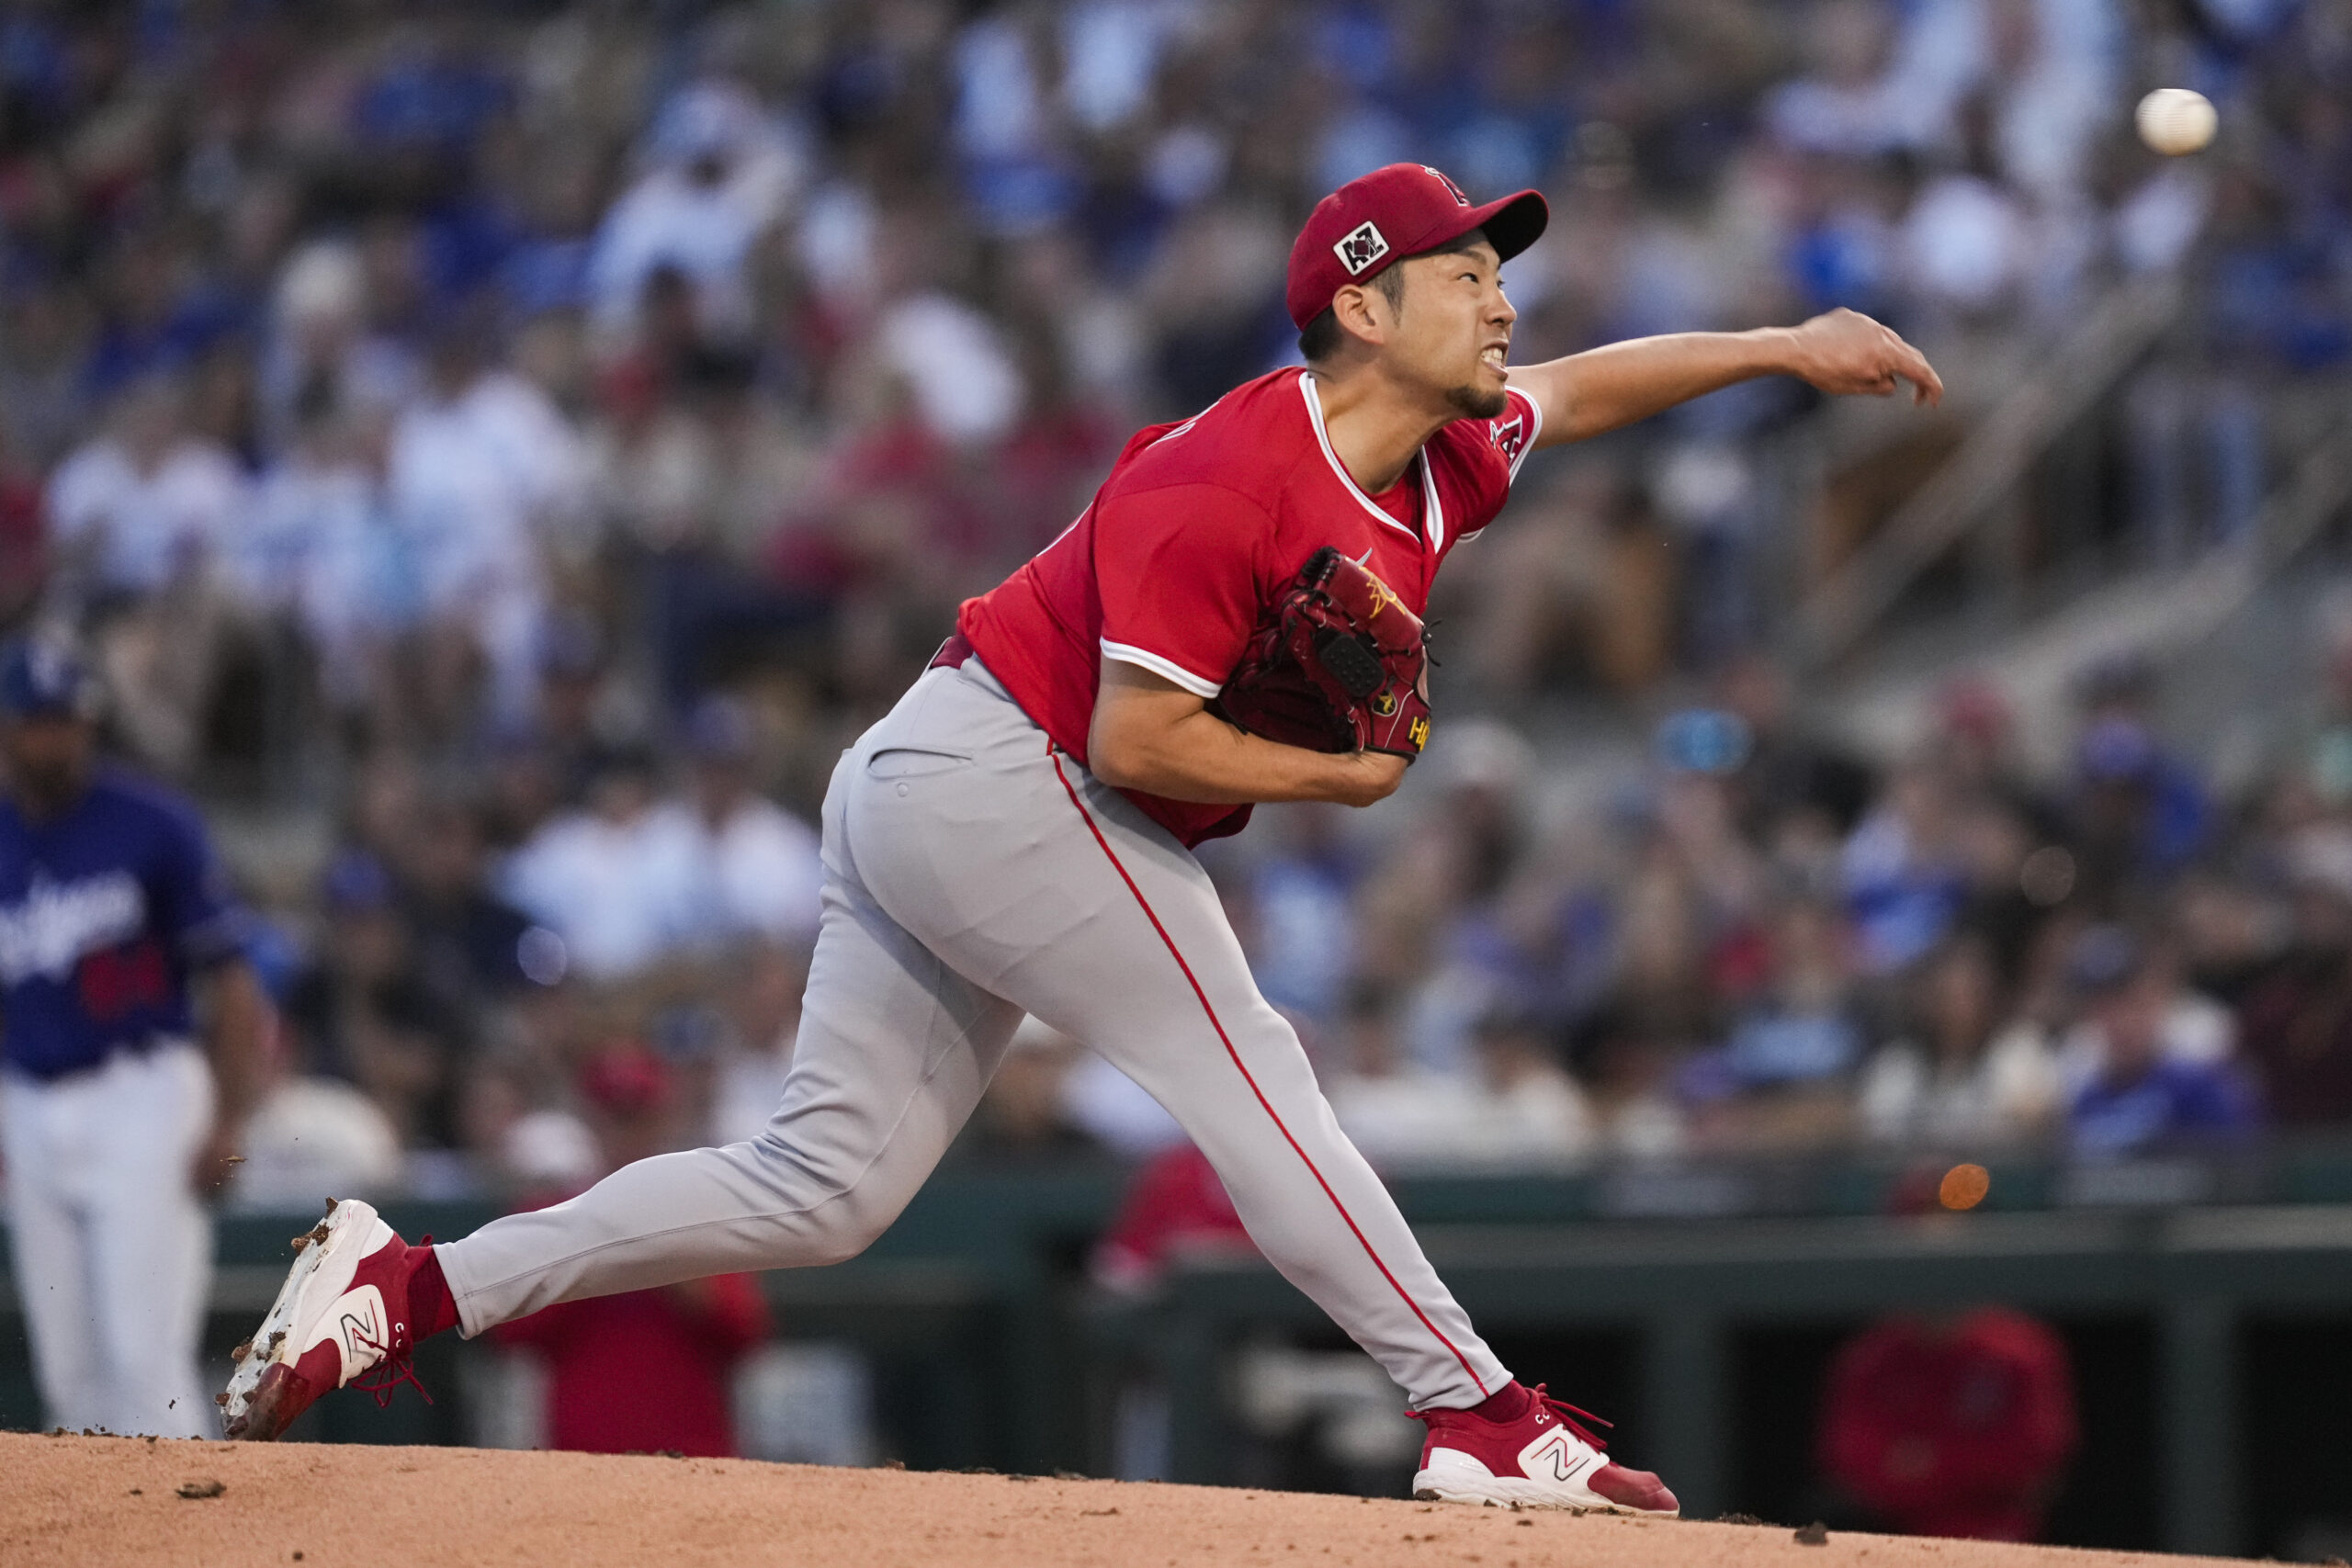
{"x":1543,"y":1459}
{"x":342,"y":1313}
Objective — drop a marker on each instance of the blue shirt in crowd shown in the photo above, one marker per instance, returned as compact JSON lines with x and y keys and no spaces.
{"x":2171,"y":1102}
{"x":105,"y":912}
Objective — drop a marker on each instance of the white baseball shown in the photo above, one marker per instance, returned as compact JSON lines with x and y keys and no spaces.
{"x":2174,"y":120}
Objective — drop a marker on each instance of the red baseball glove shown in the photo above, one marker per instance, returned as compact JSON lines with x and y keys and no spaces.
{"x":1339,"y":665}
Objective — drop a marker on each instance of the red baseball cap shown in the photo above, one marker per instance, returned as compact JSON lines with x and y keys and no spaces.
{"x":1390,"y":214}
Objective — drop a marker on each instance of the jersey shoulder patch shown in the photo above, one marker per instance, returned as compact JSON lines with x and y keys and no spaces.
{"x":1507,"y":435}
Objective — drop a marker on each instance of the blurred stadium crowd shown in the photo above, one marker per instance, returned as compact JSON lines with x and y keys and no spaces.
{"x":533,"y":439}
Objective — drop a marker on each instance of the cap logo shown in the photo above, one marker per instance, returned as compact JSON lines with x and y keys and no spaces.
{"x":1451,"y":188}
{"x":1363,"y":245}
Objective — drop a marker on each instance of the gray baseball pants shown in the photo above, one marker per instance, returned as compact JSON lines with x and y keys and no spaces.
{"x":974,"y":873}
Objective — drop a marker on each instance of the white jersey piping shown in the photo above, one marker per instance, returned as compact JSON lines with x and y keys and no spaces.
{"x":1428,"y":479}
{"x":1165,"y":668}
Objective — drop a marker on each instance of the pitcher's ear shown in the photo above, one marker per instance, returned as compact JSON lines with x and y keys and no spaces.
{"x":1363,"y":312}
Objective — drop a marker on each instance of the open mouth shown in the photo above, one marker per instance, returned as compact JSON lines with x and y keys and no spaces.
{"x":1493,"y":355}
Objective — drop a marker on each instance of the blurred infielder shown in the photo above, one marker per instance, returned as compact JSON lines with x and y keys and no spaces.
{"x":114,"y":1125}
{"x":1233,"y":620}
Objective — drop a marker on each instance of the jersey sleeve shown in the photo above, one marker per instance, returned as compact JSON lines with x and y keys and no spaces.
{"x":195,"y":910}
{"x":1178,"y":571}
{"x":1491,"y":452}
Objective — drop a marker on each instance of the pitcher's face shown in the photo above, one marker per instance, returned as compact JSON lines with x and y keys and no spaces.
{"x":1452,"y":331}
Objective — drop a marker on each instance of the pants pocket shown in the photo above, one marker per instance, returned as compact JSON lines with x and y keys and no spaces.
{"x":912,"y":763}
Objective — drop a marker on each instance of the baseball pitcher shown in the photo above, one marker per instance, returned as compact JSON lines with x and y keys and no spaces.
{"x":1234,"y":619}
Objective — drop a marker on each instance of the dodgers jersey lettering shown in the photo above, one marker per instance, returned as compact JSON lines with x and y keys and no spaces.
{"x":1199,"y":528}
{"x":104,"y":911}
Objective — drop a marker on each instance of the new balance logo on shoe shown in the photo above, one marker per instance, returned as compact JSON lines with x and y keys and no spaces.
{"x":359,"y":1331}
{"x":359,"y":1318}
{"x":1556,"y":1453}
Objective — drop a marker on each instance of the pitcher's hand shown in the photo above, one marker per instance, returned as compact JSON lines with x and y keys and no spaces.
{"x":1844,"y":351}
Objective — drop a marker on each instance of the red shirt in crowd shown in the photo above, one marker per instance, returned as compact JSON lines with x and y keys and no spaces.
{"x":645,"y":1371}
{"x":1199,"y":528}
{"x":1955,"y":1430}
{"x":1175,"y":1203}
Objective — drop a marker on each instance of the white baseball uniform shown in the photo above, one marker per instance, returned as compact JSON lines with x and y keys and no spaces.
{"x":976,"y":871}
{"x":104,"y":909}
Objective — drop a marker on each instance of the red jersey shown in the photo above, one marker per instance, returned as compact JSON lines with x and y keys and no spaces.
{"x":1962,"y":1430}
{"x":645,"y":1371}
{"x":1200,"y":527}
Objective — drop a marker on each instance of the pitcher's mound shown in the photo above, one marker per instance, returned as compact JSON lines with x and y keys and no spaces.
{"x":72,"y":1500}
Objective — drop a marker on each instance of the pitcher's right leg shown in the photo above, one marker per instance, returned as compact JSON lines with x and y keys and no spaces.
{"x":894,"y":1051}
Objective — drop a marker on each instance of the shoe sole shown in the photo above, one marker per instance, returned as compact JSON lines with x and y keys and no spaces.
{"x":260,"y":1402}
{"x":1436,"y":1495}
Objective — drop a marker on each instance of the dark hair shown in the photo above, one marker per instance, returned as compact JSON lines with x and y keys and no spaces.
{"x":1321,"y":340}
{"x":1321,"y":337}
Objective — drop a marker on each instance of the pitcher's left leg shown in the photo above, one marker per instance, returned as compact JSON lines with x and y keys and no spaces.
{"x":1249,"y":1100}
{"x":1076,"y":908}
{"x":1103,"y":925}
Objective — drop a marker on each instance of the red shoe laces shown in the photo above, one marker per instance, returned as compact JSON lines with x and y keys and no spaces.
{"x":1568,"y":1416}
{"x":396,"y":1368}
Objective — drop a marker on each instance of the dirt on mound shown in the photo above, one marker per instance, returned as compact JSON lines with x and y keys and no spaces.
{"x":72,"y":1500}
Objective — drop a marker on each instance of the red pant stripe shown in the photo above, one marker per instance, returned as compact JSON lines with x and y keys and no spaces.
{"x":1219,"y":1025}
